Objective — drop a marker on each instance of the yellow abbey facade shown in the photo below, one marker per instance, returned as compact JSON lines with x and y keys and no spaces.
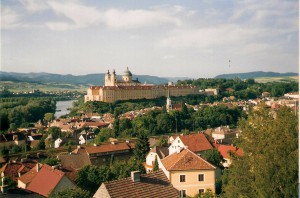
{"x":127,"y":89}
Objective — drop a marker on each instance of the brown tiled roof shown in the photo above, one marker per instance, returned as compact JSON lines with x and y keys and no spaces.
{"x":11,"y":170}
{"x":28,"y":177}
{"x":45,"y":181}
{"x":186,"y":160}
{"x":151,"y":185}
{"x":104,"y":148}
{"x":75,"y":161}
{"x":196,"y":142}
{"x":71,"y":173}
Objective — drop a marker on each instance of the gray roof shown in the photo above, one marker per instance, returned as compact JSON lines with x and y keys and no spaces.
{"x":150,"y":185}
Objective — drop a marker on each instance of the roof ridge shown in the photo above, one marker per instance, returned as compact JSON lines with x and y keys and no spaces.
{"x":178,"y":159}
{"x":202,"y":159}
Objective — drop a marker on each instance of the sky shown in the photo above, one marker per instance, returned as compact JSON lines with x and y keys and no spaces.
{"x":196,"y":39}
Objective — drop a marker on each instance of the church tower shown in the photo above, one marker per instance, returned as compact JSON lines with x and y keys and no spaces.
{"x":113,"y":79}
{"x":107,"y":78}
{"x":169,"y":102}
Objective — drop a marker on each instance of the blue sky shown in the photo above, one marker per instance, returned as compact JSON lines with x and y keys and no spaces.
{"x":163,"y":38}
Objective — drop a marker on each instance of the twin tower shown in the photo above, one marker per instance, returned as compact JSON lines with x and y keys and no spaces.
{"x":111,"y":79}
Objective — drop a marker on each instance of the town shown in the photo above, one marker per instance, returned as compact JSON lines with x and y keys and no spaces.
{"x":149,"y":99}
{"x":180,"y":145}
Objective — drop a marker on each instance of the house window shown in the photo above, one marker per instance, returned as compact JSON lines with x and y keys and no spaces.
{"x":201,"y":177}
{"x":178,"y":141}
{"x":182,"y":178}
{"x":201,"y":191}
{"x":182,"y":193}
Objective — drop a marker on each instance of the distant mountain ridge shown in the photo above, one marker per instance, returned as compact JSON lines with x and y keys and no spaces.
{"x":256,"y":74}
{"x":89,"y":79}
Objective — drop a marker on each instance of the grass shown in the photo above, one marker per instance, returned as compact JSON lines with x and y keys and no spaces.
{"x":276,"y":79}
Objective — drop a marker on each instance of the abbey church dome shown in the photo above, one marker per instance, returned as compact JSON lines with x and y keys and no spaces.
{"x":127,"y":72}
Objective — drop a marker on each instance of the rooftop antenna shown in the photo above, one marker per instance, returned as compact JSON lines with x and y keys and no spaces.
{"x":229,"y":62}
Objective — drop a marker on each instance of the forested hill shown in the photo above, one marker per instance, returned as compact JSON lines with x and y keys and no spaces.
{"x":256,"y":74}
{"x":89,"y":79}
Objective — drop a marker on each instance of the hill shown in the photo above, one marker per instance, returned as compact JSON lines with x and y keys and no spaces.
{"x":256,"y":74}
{"x":87,"y":80}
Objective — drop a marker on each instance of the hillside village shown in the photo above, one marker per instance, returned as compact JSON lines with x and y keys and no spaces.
{"x":175,"y":165}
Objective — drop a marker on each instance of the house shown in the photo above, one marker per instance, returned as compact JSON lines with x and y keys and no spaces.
{"x":224,"y":134}
{"x":49,"y":180}
{"x":25,"y":179}
{"x":189,"y":173}
{"x":14,"y":170}
{"x":102,"y":154}
{"x":158,"y":152}
{"x":265,"y":94}
{"x":76,"y":159}
{"x":196,"y":143}
{"x":145,"y":185}
{"x":10,"y":139}
{"x":86,"y":137}
{"x":294,"y":95}
{"x":34,"y":139}
{"x":58,"y":142}
{"x":226,"y":151}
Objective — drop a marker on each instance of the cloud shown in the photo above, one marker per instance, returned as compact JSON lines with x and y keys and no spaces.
{"x":34,"y":6}
{"x":9,"y":18}
{"x":127,"y":19}
{"x":227,"y":34}
{"x":80,"y":16}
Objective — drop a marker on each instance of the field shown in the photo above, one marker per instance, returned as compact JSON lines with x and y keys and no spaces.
{"x":45,"y":87}
{"x":274,"y":79}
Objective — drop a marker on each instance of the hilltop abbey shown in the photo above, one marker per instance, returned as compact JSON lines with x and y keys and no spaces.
{"x":127,"y":89}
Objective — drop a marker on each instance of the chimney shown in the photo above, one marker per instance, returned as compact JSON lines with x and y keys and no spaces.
{"x":112,"y":142}
{"x":37,"y":167}
{"x":78,"y":146}
{"x":135,"y":176}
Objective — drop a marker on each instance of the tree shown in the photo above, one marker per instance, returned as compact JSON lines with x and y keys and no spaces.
{"x":41,"y":145}
{"x":12,"y":127}
{"x":162,"y":141}
{"x":142,"y":147}
{"x":213,"y":156}
{"x":270,"y":168}
{"x":207,"y":194}
{"x":69,"y":149}
{"x":49,"y":117}
{"x":155,"y":166}
{"x":55,"y":132}
{"x":51,"y":161}
{"x":90,"y":177}
{"x":70,"y":192}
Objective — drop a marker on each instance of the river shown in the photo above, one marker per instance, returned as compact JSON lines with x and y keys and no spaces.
{"x":62,"y":107}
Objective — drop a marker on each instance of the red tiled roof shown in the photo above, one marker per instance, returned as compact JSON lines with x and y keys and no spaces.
{"x":151,"y":185}
{"x":225,"y":149}
{"x":28,"y":177}
{"x":186,"y":160}
{"x":104,"y":148}
{"x":95,"y":124}
{"x":46,"y":180}
{"x":196,"y":142}
{"x":11,"y":170}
